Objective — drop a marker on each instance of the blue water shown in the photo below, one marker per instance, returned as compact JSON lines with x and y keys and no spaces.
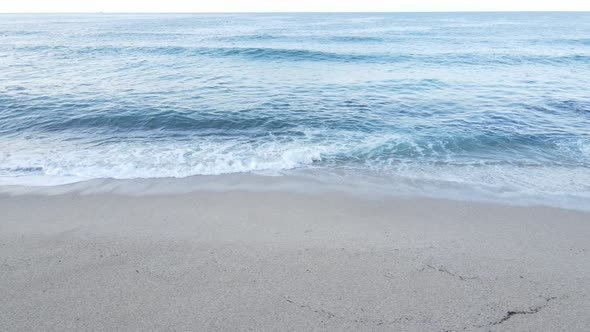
{"x":498,"y":102}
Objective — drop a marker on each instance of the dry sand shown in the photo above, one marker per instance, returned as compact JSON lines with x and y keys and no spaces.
{"x":287,"y":261}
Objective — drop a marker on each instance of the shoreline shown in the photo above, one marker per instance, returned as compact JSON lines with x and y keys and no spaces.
{"x":264,"y":260}
{"x":304,"y":181}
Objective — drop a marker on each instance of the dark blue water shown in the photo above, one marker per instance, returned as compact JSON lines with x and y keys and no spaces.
{"x":499,"y":101}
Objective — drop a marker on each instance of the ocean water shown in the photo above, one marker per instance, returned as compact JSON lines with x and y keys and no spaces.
{"x":494,"y":103}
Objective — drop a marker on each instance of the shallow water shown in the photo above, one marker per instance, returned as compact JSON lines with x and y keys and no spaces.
{"x":497,"y":101}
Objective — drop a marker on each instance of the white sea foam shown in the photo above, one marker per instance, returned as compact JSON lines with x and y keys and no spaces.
{"x":43,"y":162}
{"x":52,"y":162}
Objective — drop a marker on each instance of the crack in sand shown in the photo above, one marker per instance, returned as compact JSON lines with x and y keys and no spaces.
{"x":359,"y":320}
{"x":530,"y":311}
{"x":443,"y":270}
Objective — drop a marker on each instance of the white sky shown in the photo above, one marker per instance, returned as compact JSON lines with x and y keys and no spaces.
{"x":12,"y":6}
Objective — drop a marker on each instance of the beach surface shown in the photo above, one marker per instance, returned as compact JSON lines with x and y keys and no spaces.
{"x":287,"y":260}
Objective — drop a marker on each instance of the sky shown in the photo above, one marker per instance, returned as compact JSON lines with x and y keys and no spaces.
{"x":15,"y":6}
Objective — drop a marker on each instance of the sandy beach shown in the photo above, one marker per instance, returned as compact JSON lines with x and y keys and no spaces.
{"x":281,"y":260}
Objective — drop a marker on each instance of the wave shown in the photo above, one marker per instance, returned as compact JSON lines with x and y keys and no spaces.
{"x":152,"y":158}
{"x":286,"y":54}
{"x":34,"y":118}
{"x":144,"y":154}
{"x":562,"y":41}
{"x":246,"y":52}
{"x":395,"y":160}
{"x":550,"y":133}
{"x":305,"y":38}
{"x":18,"y":33}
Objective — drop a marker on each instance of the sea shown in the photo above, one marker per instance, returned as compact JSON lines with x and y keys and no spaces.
{"x":471,"y":105}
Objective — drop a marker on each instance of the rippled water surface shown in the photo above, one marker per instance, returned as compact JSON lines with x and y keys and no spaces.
{"x":499,"y":102}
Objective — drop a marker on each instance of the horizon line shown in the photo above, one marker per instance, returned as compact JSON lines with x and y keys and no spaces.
{"x":306,"y":12}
